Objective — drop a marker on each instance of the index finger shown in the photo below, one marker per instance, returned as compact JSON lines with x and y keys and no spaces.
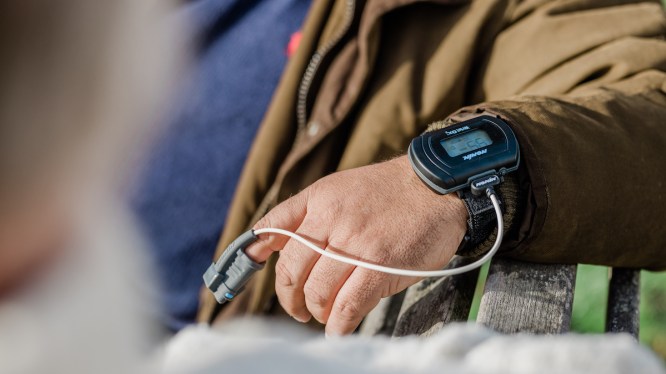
{"x":288,"y":216}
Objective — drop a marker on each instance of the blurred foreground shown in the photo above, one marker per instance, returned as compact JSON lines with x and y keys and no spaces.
{"x":255,"y":346}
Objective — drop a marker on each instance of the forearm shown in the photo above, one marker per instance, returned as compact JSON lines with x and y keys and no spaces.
{"x":590,"y":185}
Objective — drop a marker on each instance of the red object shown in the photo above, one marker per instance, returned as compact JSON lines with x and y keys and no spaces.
{"x":294,"y":41}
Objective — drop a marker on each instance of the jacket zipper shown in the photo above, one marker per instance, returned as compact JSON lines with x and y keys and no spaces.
{"x":315,"y":63}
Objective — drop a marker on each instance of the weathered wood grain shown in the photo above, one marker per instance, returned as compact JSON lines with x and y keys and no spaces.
{"x":526,"y":297}
{"x":623,"y":301}
{"x":434,"y":302}
{"x":382,"y":319}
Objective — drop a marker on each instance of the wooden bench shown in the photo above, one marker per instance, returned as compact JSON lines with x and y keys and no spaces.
{"x":517,"y":297}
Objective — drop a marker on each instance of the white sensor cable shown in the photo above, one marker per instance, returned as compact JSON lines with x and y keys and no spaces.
{"x":396,"y":271}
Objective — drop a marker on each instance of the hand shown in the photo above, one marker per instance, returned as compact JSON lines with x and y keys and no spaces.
{"x":380,"y":213}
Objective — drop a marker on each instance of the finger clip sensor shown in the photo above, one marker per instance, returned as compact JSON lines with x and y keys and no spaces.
{"x":227,"y":277}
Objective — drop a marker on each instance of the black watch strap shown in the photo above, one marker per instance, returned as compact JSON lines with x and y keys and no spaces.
{"x":481,"y":222}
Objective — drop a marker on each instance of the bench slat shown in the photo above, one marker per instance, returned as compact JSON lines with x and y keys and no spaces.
{"x":526,"y":297}
{"x":623,"y":301}
{"x":435,"y":302}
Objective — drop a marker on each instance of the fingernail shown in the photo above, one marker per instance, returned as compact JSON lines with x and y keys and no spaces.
{"x":302,"y":320}
{"x":331,"y":335}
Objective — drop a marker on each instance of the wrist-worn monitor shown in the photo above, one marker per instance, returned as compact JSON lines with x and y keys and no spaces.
{"x":475,"y":153}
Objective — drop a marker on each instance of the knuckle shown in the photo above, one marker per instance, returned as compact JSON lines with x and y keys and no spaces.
{"x":314,"y":297}
{"x":314,"y":188}
{"x":348,"y":310}
{"x":284,"y":278}
{"x":264,"y":221}
{"x":350,"y":235}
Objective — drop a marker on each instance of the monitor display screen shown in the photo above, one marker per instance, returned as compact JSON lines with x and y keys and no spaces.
{"x":466,"y":142}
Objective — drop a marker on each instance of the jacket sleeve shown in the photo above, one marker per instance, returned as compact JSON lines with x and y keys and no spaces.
{"x":583,"y":84}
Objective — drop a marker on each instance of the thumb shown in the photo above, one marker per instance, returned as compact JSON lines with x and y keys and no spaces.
{"x":287,"y":216}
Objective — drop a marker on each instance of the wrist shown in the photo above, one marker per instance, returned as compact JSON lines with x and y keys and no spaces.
{"x":448,"y":209}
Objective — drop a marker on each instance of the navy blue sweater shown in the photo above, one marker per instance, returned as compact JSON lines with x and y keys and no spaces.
{"x":185,"y":191}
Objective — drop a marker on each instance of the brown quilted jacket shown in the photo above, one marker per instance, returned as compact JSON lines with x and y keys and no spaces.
{"x":582,"y":83}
